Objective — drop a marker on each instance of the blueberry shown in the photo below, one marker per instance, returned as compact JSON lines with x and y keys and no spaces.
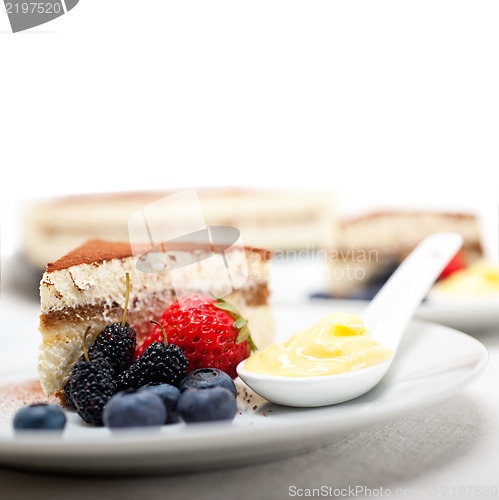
{"x":207,"y":377}
{"x":169,"y":395}
{"x":205,"y":405}
{"x":40,"y":416}
{"x":134,"y":409}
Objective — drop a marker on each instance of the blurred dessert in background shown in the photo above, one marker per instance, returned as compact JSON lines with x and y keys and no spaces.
{"x":274,"y":219}
{"x":371,"y":247}
{"x":479,"y":280}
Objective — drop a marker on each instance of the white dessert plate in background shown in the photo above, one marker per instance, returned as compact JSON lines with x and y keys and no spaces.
{"x":472,"y":315}
{"x":433,"y":362}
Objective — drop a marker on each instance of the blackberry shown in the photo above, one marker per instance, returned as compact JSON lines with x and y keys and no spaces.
{"x":86,"y":357}
{"x":91,"y":386}
{"x":67,"y":394}
{"x":117,"y":343}
{"x":158,"y":364}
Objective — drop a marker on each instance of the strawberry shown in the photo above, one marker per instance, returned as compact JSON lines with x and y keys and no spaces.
{"x":211,"y":333}
{"x":457,"y":262}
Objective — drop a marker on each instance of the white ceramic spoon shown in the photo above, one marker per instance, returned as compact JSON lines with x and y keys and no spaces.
{"x":386,"y":317}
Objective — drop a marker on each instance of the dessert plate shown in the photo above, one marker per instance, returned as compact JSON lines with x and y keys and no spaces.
{"x":433,"y":362}
{"x":469,"y":314}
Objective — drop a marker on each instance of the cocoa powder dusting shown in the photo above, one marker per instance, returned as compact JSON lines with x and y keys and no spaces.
{"x":96,"y":252}
{"x":16,"y":395}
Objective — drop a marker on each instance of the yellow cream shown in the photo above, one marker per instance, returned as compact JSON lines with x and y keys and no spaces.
{"x":481,"y":278}
{"x":338,"y":343}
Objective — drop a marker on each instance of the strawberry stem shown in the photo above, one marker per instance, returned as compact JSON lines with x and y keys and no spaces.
{"x":127,"y":296}
{"x":163,"y":330}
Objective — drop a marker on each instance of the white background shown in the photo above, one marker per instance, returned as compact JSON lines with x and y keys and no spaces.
{"x":384,"y":102}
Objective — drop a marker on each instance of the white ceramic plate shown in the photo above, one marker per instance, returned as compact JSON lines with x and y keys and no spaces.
{"x":433,"y":362}
{"x":471,"y":315}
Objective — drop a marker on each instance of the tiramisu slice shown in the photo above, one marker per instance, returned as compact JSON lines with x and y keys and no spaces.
{"x":87,"y":286}
{"x":371,"y":247}
{"x":278,"y":219}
